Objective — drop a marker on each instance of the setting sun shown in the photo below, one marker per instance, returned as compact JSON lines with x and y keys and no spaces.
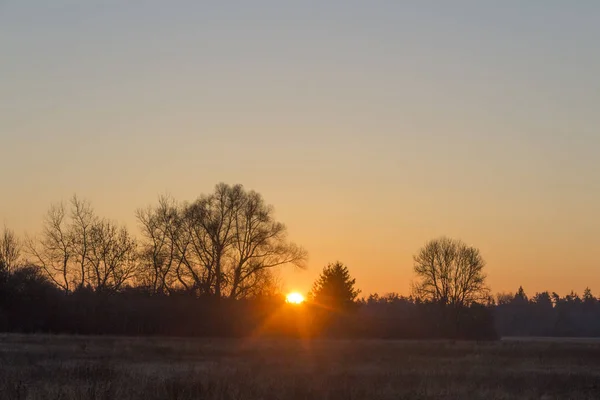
{"x":294,"y":298}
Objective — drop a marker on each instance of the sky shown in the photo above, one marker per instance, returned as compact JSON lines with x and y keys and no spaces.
{"x":372,"y":127}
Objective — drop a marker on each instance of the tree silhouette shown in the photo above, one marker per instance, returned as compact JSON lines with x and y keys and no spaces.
{"x":83,"y":221}
{"x":10,"y":250}
{"x":77,"y":249}
{"x":542,"y":299}
{"x":164,"y":246}
{"x":226,"y":243}
{"x":504,"y":298}
{"x":112,"y":256}
{"x":235,"y":237}
{"x":334,"y":289}
{"x":449,"y":272}
{"x":588,"y":297}
{"x":54,"y":251}
{"x":520,"y":296}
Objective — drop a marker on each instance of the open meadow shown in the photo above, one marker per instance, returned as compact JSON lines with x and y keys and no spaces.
{"x":75,"y":367}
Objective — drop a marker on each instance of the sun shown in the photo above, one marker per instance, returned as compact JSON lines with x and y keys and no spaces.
{"x":294,"y":298}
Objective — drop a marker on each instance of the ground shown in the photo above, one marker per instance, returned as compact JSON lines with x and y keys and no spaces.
{"x":70,"y":367}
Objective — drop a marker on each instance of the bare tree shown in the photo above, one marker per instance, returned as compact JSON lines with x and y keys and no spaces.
{"x":112,"y":256}
{"x":165,"y":245}
{"x":210,"y":222}
{"x":82,"y":222}
{"x":504,"y":298}
{"x":54,"y":251}
{"x":200,"y":261}
{"x":77,"y":249}
{"x":227,"y":240}
{"x":259,"y":243}
{"x":450,"y":272}
{"x":10,"y":250}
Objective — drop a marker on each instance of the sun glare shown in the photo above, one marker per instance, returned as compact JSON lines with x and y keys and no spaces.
{"x":294,"y":298}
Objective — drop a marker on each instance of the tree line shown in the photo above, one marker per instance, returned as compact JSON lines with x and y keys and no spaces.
{"x":209,"y":268}
{"x":548,"y":314}
{"x":225,"y":243}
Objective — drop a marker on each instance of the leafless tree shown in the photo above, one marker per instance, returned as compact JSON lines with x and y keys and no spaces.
{"x":112,"y":256}
{"x":450,"y":272}
{"x":236,"y":237}
{"x":259,"y":243}
{"x":54,"y":251}
{"x":82,"y":222}
{"x":164,"y":247}
{"x":10,"y":250}
{"x":210,"y":222}
{"x":225,"y":243}
{"x":77,"y":249}
{"x":504,"y":298}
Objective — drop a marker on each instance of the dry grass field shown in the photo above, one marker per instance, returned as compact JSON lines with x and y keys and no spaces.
{"x":68,"y":367}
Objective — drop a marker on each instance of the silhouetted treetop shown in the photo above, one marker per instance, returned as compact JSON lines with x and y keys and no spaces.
{"x":10,"y":250}
{"x":77,"y":249}
{"x":520,"y":296}
{"x":226,"y":243}
{"x":334,"y":288}
{"x":450,"y":272}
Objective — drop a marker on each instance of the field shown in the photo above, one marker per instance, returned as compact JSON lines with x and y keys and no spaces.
{"x":68,"y":367}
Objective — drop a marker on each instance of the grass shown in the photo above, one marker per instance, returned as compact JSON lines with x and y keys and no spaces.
{"x":71,"y":367}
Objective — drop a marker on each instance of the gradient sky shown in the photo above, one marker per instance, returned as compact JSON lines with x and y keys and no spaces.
{"x":371,"y":126}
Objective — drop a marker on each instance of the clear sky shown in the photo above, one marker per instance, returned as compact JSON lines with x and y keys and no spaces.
{"x":371,"y":126}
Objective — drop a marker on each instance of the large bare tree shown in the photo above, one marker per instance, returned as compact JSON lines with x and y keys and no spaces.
{"x":236,"y":238}
{"x":450,"y":272}
{"x":226,"y":243}
{"x":10,"y":250}
{"x":210,"y":221}
{"x":259,"y":243}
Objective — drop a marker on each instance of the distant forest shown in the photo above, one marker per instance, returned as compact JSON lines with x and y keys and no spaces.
{"x":208,"y":268}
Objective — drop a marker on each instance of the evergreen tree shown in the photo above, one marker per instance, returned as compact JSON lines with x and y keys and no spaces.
{"x":520,"y":296}
{"x":335,"y":287}
{"x":588,"y":297}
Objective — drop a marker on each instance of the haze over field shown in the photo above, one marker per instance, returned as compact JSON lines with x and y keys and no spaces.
{"x":370,"y":126}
